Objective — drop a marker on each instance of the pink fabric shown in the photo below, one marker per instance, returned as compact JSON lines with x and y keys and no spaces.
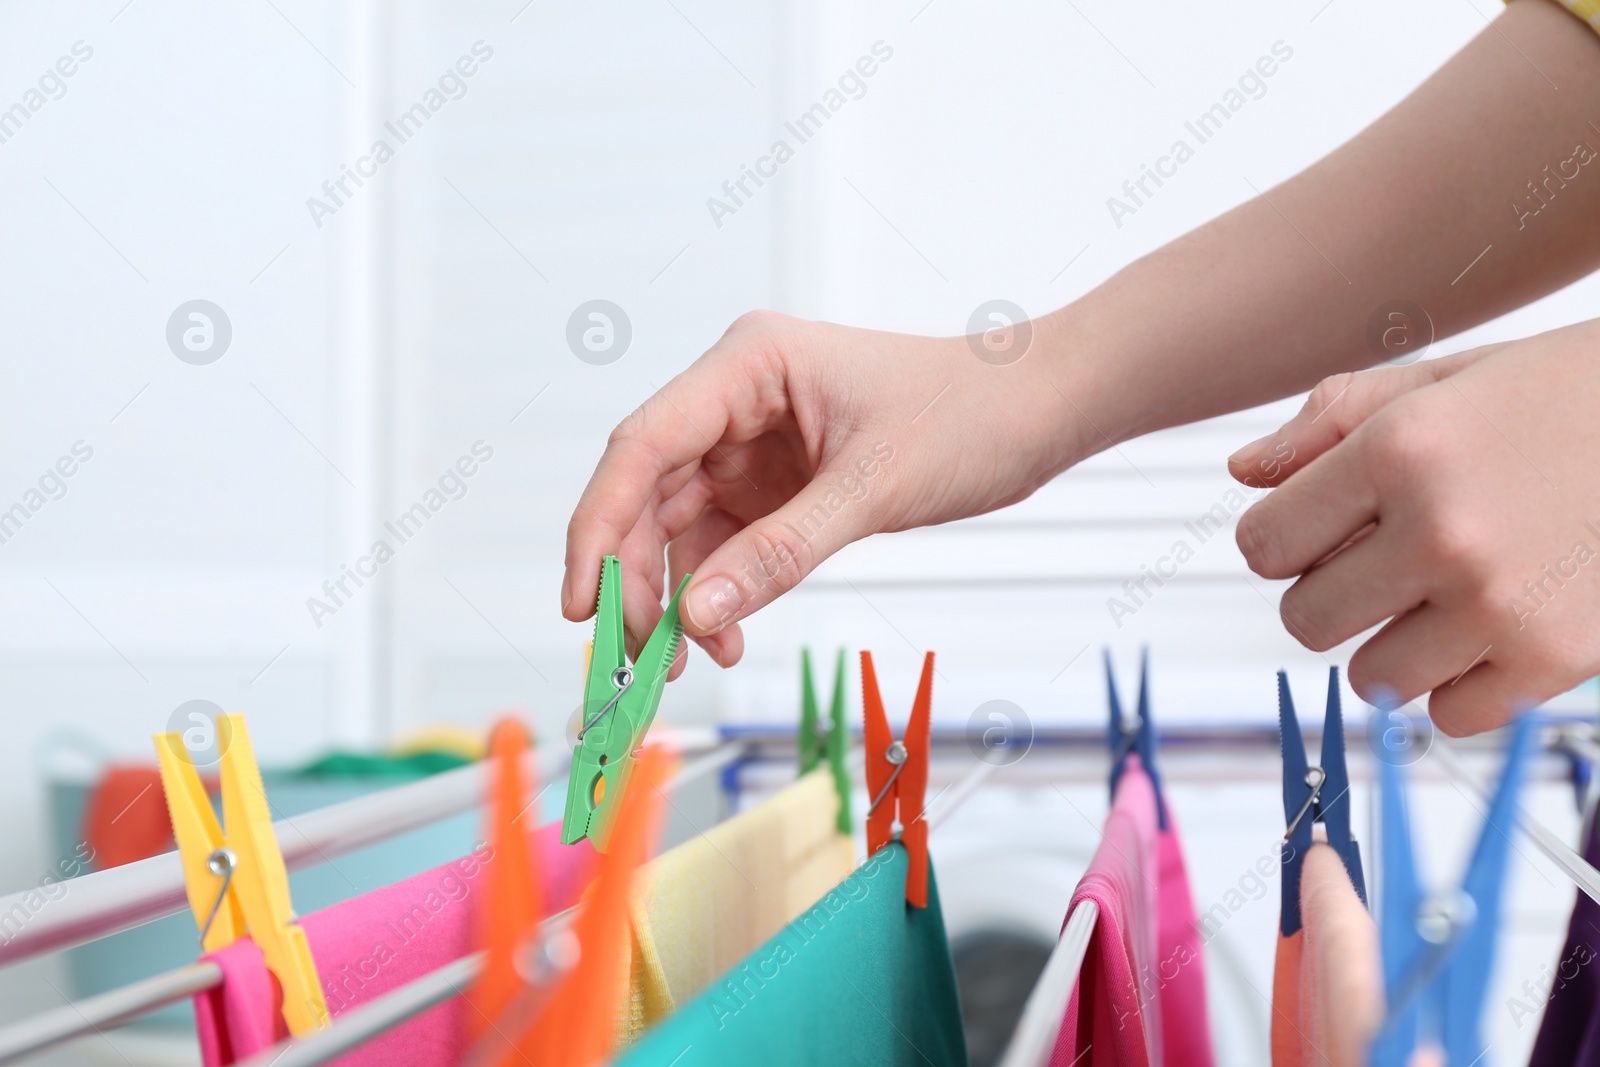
{"x":1108,"y":1022}
{"x":368,"y":945}
{"x":1181,"y":972}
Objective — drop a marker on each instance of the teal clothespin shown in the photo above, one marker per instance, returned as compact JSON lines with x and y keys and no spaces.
{"x":619,"y":703}
{"x":814,"y":743}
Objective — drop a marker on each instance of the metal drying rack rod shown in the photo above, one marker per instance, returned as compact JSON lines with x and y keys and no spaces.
{"x":117,"y":1006}
{"x":1034,"y":1039}
{"x":397,"y":1006}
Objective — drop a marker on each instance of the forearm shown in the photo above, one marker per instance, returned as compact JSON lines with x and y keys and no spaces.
{"x":1277,"y":294}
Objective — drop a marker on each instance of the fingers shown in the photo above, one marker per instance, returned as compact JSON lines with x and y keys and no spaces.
{"x":1479,"y":677}
{"x":685,"y":555}
{"x":1332,"y":412}
{"x":1487,"y":696}
{"x":1362,"y":585}
{"x":771,"y":555}
{"x":651,"y":453}
{"x":643,"y":578}
{"x":1423,"y":650}
{"x":1310,"y":516}
{"x":1433,"y":650}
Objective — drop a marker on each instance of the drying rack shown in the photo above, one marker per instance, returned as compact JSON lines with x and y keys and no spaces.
{"x":107,"y":902}
{"x":1035,"y":1036}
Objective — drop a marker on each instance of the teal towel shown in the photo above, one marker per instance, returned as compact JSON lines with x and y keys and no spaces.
{"x":860,"y":978}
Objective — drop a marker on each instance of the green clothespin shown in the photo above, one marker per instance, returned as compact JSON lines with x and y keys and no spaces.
{"x":619,"y":703}
{"x":814,"y":743}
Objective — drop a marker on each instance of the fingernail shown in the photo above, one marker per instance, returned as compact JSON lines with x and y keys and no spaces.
{"x":711,"y":604}
{"x":1258,"y":445}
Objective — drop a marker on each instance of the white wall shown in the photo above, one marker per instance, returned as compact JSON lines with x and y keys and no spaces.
{"x":372,"y":351}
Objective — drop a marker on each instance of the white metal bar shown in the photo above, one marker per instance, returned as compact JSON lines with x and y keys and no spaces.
{"x":103,"y":903}
{"x":709,"y":763}
{"x":1031,"y":1044}
{"x":947,"y":803}
{"x":375,"y":1017}
{"x":382,"y":1014}
{"x":139,"y":998}
{"x":386,"y":1012}
{"x":395,"y":1007}
{"x":1035,"y":1037}
{"x":108,"y":1009}
{"x":1563,"y":855}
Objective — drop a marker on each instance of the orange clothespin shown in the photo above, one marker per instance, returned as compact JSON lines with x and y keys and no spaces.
{"x":897,"y":775}
{"x":515,"y":893}
{"x":236,"y":879}
{"x":580,"y":1021}
{"x":571,"y":1018}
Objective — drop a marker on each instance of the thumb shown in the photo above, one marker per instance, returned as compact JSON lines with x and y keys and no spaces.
{"x":771,"y":555}
{"x":1333,"y":411}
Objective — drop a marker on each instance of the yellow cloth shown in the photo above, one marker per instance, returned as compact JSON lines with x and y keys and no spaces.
{"x":704,"y":906}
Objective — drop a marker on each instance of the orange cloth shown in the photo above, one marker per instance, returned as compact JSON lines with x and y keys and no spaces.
{"x":1286,"y":1045}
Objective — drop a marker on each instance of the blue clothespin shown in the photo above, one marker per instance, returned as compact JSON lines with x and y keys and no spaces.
{"x":1438,"y":949}
{"x":1581,"y":771}
{"x":1136,"y":735}
{"x":1313,"y":795}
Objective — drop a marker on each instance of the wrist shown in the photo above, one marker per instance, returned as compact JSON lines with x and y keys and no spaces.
{"x":1074,"y":375}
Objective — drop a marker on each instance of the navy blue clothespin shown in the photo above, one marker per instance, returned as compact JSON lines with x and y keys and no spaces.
{"x":1135,"y":735}
{"x":1581,"y":773}
{"x":1313,"y":795}
{"x":1438,"y":949}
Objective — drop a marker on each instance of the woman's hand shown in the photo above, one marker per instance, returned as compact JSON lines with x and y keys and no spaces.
{"x":787,"y":441}
{"x":1457,"y":501}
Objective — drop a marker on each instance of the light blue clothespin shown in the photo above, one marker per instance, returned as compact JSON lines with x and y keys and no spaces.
{"x":1438,"y":949}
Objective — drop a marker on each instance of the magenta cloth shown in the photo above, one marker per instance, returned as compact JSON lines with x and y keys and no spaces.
{"x":1109,"y":1021}
{"x":1180,"y":972}
{"x":368,"y":945}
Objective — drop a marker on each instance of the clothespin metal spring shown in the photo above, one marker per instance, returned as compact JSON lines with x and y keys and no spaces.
{"x":1315,"y":778}
{"x":1130,"y":737}
{"x":552,"y":951}
{"x":254,"y":895}
{"x":622,"y":678}
{"x":222,"y":863}
{"x":1441,"y":921}
{"x":898,"y":780}
{"x":896,"y":755}
{"x":819,"y":747}
{"x":603,"y":760}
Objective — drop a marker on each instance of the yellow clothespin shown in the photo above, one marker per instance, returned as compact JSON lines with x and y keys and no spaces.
{"x":237,"y":882}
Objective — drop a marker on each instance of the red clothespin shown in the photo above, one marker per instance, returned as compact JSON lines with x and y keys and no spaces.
{"x":897,"y":776}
